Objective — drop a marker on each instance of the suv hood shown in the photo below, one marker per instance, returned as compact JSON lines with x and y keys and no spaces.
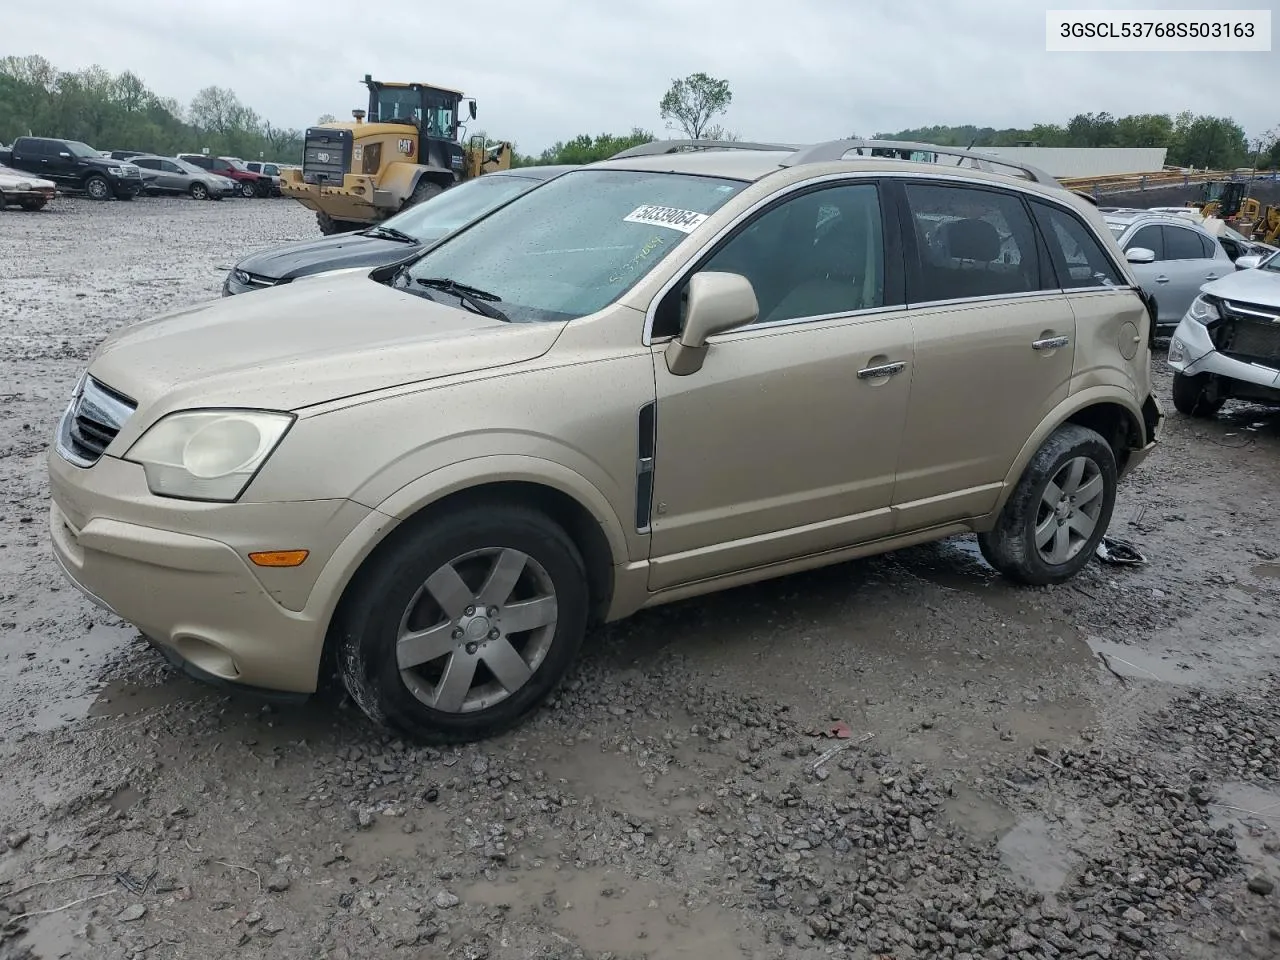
{"x":1249,"y":286}
{"x":325,"y":253}
{"x":311,"y":341}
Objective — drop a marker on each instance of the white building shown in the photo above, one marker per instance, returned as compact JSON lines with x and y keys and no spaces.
{"x":1084,"y":161}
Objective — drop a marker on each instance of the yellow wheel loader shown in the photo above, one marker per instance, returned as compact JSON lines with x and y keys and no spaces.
{"x":405,"y":149}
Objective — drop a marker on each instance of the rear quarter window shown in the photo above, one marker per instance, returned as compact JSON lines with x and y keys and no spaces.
{"x":1079,"y":258}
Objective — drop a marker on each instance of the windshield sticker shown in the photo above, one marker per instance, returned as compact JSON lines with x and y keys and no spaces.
{"x":686,"y":221}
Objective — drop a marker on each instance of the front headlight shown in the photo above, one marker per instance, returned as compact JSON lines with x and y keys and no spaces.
{"x":1204,"y":310}
{"x":116,"y":171}
{"x":207,"y":454}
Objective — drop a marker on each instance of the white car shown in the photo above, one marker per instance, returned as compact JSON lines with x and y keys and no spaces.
{"x":24,"y":189}
{"x":1228,"y":345}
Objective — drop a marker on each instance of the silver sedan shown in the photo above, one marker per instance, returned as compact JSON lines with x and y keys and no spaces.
{"x":173,"y":176}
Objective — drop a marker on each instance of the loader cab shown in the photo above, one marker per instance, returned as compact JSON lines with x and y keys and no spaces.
{"x":1227,"y":194}
{"x":433,"y":110}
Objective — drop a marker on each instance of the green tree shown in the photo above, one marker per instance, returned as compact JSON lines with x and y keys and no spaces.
{"x":692,"y":102}
{"x":588,"y":149}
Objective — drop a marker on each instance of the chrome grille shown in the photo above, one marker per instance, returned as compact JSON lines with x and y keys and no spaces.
{"x":255,"y":279}
{"x":1250,"y":333}
{"x":92,"y":420}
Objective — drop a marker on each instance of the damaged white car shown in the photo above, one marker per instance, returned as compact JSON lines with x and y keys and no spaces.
{"x":1228,"y":344}
{"x":25,"y":190}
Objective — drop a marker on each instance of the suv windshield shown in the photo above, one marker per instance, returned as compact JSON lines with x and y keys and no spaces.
{"x":458,"y":206}
{"x":577,"y":244}
{"x":78,"y":149}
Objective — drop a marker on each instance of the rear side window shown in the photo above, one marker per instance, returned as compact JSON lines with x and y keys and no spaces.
{"x":1079,"y":257}
{"x":1210,"y":251}
{"x":1182,"y":244}
{"x":970,"y":243}
{"x":148,"y":163}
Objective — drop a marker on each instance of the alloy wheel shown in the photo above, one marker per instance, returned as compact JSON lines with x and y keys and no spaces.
{"x":1069,"y":509}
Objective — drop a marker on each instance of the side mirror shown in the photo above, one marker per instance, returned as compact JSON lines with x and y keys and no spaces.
{"x":1248,"y":262}
{"x":717,"y":302}
{"x":64,"y":153}
{"x":1140,"y":255}
{"x":472,"y":109}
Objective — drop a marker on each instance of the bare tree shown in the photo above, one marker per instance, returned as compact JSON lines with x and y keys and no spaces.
{"x":692,"y":102}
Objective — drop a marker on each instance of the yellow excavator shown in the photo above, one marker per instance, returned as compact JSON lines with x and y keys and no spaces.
{"x":403,"y":150}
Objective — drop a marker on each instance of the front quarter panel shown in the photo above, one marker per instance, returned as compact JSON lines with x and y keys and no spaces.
{"x":568,"y":420}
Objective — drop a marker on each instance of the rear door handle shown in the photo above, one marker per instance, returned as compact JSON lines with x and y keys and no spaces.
{"x":882,"y":370}
{"x":1050,"y":343}
{"x":1162,"y":279}
{"x":1212,"y":276}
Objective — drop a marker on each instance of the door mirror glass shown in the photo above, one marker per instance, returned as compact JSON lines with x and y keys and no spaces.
{"x":1248,"y":262}
{"x":471,"y":108}
{"x":1140,"y":255}
{"x":718,"y":302}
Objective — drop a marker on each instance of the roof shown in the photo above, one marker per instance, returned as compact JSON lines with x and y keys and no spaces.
{"x":539,"y":172}
{"x":754,"y":161}
{"x":1129,"y":215}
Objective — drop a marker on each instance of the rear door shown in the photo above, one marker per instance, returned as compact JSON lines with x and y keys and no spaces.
{"x":995,"y":342}
{"x":173,"y":176}
{"x":1187,"y":267}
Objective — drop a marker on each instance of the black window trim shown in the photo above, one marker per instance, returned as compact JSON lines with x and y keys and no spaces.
{"x":1060,"y":268}
{"x":894,"y":279}
{"x":1045,"y":268}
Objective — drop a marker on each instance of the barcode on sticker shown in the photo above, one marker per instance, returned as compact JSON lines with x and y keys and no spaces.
{"x":686,"y":221}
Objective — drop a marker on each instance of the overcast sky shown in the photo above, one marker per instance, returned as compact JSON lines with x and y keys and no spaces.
{"x":547,"y":70}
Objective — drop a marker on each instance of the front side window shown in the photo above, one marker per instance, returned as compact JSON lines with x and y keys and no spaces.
{"x":574,"y":245}
{"x":151,"y":163}
{"x":458,"y":206}
{"x":78,"y":149}
{"x":971,"y":243}
{"x":817,"y":254}
{"x":1079,"y":257}
{"x":1148,"y":238}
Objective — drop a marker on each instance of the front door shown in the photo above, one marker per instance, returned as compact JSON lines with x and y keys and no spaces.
{"x":785,"y":443}
{"x":995,"y":345}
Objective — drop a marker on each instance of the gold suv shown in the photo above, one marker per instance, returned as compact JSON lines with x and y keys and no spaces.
{"x":689,"y":367}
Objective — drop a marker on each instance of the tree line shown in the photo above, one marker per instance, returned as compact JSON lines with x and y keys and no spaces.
{"x":1191,"y":140}
{"x":118,"y":111}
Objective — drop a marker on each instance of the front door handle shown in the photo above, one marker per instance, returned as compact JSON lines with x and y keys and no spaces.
{"x":1212,"y":276}
{"x":882,"y":370}
{"x":1162,"y":279}
{"x":1050,"y":343}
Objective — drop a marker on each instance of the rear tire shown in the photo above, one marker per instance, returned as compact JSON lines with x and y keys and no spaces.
{"x":36,"y":203}
{"x":1058,"y":513}
{"x":199,"y":191}
{"x":329,"y":226}
{"x":467,"y":675}
{"x":1191,"y":396}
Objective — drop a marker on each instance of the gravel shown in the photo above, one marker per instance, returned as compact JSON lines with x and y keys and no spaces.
{"x":1079,"y":771}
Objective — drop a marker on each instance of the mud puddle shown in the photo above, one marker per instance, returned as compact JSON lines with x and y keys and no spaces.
{"x":605,"y":912}
{"x":1042,"y":853}
{"x":1190,"y":661}
{"x":1253,"y":815}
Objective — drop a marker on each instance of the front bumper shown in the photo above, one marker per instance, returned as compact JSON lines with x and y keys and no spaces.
{"x":1191,"y":352}
{"x":179,"y":571}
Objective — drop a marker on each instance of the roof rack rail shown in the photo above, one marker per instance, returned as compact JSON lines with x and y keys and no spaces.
{"x":837,"y":149}
{"x":655,"y":148}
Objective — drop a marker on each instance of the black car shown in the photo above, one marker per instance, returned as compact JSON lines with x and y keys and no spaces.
{"x":408,"y":232}
{"x":77,"y":166}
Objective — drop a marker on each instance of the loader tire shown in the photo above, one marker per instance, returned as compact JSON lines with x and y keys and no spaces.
{"x":329,"y":226}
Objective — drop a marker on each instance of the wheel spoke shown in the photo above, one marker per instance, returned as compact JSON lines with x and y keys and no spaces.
{"x":502,"y":578}
{"x":455,"y":684}
{"x":1045,"y":531}
{"x":1075,"y":473}
{"x":506,"y":664}
{"x":1082,"y":524}
{"x":1061,"y":544}
{"x":1052,"y":494}
{"x":1090,"y":491}
{"x":448,"y":590}
{"x":528,"y":615}
{"x":417,"y":647}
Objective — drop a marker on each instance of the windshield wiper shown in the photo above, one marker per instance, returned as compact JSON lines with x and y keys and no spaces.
{"x":478,"y":300}
{"x":391,"y":233}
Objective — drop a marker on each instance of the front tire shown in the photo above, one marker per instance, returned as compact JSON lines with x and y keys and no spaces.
{"x":199,"y":191}
{"x":97,"y":188}
{"x":247,"y":189}
{"x":461,"y":628}
{"x":424,"y":191}
{"x":1191,"y":396}
{"x":34,"y":204}
{"x":1058,"y":513}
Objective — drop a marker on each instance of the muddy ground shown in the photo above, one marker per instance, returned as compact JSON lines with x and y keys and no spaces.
{"x":1090,"y":770}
